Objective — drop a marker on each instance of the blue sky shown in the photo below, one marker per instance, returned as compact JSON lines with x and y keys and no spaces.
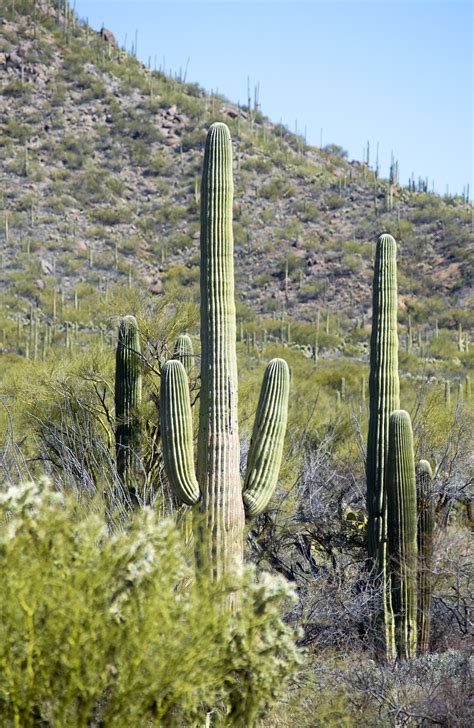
{"x":399,"y":73}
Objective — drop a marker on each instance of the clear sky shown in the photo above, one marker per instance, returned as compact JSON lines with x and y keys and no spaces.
{"x":397,"y":72}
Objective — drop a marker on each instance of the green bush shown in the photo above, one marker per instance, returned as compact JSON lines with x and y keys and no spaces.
{"x":105,"y":626}
{"x":277,"y":188}
{"x":334,"y":202}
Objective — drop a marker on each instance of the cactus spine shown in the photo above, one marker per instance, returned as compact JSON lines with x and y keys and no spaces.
{"x":426,"y":521}
{"x":384,"y":398}
{"x":220,"y":510}
{"x":402,"y":532}
{"x":128,"y":395}
{"x":184,"y":352}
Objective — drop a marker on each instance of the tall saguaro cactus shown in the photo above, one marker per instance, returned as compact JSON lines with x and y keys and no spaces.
{"x":384,"y":397}
{"x":128,"y":395}
{"x":217,"y":489}
{"x":426,"y":522}
{"x":402,"y":532}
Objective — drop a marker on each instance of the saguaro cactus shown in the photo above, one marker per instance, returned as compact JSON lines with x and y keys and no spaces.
{"x":402,"y":535}
{"x":426,"y":522}
{"x":384,"y":398}
{"x":128,"y":395}
{"x":184,"y":351}
{"x":217,"y":489}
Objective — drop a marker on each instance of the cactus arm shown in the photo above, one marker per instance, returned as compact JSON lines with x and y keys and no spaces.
{"x":266,"y":445}
{"x":184,"y":351}
{"x":220,"y":535}
{"x":402,"y":532}
{"x":177,"y":432}
{"x":128,"y":395}
{"x":426,"y":521}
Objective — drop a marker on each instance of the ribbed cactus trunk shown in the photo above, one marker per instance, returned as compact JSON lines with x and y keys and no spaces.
{"x":184,"y":351}
{"x":128,"y":395}
{"x":221,"y":506}
{"x":266,"y":445}
{"x":384,"y":398}
{"x":402,"y":532}
{"x":426,"y":523}
{"x":217,"y":491}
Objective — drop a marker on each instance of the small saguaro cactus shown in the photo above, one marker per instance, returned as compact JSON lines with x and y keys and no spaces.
{"x":343,"y":388}
{"x":426,"y":522}
{"x":384,"y":398}
{"x":402,"y":532}
{"x":128,"y":396}
{"x":184,"y":351}
{"x":447,"y":392}
{"x":216,"y":487}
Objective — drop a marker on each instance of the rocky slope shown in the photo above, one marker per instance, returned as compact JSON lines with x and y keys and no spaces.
{"x":100,"y":161}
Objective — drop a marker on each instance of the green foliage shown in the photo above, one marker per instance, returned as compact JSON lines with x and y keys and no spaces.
{"x":276,"y":189}
{"x":107,"y":626}
{"x":335,"y":202}
{"x":334,"y":150}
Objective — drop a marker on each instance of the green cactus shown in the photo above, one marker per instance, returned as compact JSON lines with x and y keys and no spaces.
{"x":343,"y":388}
{"x":184,"y":351}
{"x":266,"y":444}
{"x":384,"y":398}
{"x":177,"y":432}
{"x":402,"y":532}
{"x":426,"y":522}
{"x":447,"y":392}
{"x":217,"y":487}
{"x":128,"y":395}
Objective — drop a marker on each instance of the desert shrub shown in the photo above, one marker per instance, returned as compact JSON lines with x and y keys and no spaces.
{"x":334,"y":202}
{"x":334,"y":150}
{"x":257,"y":164}
{"x":276,"y":189}
{"x":105,"y":626}
{"x":193,"y":139}
{"x":110,"y":216}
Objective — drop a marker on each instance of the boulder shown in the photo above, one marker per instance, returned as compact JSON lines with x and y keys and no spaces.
{"x":13,"y":59}
{"x":107,"y":36}
{"x":46,"y":266}
{"x":156,"y":287}
{"x":172,"y":141}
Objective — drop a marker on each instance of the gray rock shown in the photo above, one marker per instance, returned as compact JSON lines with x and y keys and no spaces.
{"x":46,"y":266}
{"x":108,"y":36}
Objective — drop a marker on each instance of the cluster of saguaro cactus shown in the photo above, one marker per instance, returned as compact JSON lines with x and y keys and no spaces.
{"x":216,"y":487}
{"x":400,"y":529}
{"x":384,"y":388}
{"x":128,"y":395}
{"x":402,"y":532}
